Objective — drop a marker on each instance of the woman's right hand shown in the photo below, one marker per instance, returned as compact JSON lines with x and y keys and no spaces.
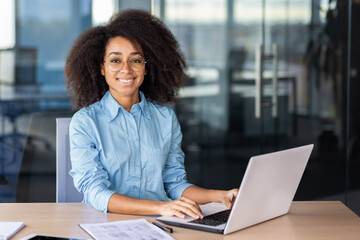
{"x":179,"y":208}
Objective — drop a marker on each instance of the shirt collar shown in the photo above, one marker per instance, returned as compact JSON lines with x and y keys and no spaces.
{"x":144,"y":105}
{"x":111,"y":106}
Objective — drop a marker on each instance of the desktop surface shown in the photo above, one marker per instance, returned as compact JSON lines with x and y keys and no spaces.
{"x":305,"y":220}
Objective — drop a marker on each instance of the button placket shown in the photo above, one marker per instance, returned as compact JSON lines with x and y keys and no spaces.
{"x":134,"y":161}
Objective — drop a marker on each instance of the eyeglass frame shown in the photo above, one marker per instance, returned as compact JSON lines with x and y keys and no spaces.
{"x":106,"y":62}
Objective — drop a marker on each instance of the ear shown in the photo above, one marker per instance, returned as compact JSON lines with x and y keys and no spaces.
{"x":102,"y":69}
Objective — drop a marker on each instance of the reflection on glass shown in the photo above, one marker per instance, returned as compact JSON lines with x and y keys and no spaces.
{"x":33,"y":92}
{"x":32,"y":87}
{"x":216,"y":110}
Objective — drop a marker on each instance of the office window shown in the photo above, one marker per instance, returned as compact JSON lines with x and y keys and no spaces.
{"x":102,"y":11}
{"x":32,"y":86}
{"x":7,"y":24}
{"x":303,"y":43}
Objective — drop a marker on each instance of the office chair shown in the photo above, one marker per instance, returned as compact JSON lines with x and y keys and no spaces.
{"x":65,"y":190}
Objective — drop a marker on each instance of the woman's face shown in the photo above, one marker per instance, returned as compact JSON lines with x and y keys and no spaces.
{"x":123,"y":68}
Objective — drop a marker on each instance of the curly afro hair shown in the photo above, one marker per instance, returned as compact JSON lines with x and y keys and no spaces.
{"x":165,"y":62}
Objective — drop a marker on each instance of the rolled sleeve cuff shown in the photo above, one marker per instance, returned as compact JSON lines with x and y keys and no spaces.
{"x":178,"y":191}
{"x":100,"y":200}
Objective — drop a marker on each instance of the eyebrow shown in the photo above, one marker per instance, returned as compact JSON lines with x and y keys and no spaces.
{"x":120,"y":53}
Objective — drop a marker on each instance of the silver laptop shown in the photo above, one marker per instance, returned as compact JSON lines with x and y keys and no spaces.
{"x":267,"y":191}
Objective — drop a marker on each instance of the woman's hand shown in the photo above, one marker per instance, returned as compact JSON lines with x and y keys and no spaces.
{"x":227,"y":197}
{"x":202,"y":196}
{"x":179,"y":208}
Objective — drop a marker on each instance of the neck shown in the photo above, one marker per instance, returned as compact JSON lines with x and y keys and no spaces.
{"x":127,"y":101}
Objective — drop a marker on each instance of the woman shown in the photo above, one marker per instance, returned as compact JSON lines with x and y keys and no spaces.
{"x":125,"y":144}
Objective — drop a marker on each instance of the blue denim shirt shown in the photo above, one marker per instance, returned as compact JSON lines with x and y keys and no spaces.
{"x":137,"y":154}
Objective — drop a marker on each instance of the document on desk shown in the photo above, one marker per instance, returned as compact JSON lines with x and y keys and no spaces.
{"x":8,"y":229}
{"x":139,"y":229}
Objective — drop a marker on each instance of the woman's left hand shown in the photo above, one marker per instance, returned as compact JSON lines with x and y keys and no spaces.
{"x":227,"y":197}
{"x":202,"y":196}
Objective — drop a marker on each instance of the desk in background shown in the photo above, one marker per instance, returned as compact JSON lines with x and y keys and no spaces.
{"x":306,"y":220}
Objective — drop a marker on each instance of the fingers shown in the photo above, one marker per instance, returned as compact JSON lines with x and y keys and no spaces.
{"x":181,"y":207}
{"x":232,"y":194}
{"x":229,"y":197}
{"x":192,"y":203}
{"x":227,"y":201}
{"x":188,"y":207}
{"x":178,"y":213}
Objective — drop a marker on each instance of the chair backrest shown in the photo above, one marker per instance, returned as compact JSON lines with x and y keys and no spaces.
{"x":65,"y":190}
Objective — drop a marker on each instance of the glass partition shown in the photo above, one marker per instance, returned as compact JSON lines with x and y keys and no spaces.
{"x":38,"y":36}
{"x":225,"y":119}
{"x":299,"y":50}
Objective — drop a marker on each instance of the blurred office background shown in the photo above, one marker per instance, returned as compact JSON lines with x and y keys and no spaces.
{"x":305,"y":53}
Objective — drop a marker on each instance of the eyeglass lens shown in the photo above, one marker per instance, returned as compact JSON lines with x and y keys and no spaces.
{"x":115,"y":63}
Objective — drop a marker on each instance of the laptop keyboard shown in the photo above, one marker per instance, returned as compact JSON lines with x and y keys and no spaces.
{"x":214,"y":219}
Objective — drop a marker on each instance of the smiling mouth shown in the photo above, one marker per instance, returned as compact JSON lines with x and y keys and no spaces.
{"x":125,"y":81}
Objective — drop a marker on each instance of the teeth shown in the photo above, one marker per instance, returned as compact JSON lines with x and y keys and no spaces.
{"x":126,"y":80}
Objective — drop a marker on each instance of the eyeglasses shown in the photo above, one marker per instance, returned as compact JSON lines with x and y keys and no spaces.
{"x":115,"y":63}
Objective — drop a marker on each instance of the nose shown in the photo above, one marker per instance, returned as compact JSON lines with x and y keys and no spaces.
{"x":126,"y":68}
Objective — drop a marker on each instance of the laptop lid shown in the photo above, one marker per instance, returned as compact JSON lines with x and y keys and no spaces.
{"x":267,"y":190}
{"x":268,"y":187}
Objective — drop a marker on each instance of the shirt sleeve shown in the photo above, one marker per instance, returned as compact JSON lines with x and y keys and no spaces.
{"x":90,"y":177}
{"x":174,"y":174}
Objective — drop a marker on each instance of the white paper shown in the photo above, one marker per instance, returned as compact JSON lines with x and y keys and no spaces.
{"x":128,"y":229}
{"x":7,"y":229}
